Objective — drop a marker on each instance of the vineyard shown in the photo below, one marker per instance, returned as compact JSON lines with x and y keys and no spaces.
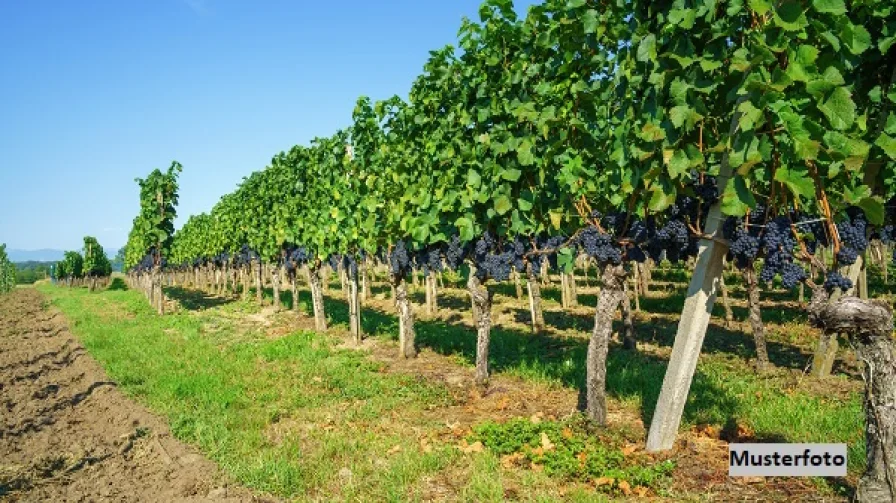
{"x":89,"y":267}
{"x":552,"y":189}
{"x":7,"y":272}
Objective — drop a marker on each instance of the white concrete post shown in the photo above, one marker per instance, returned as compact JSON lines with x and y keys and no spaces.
{"x":693,"y":321}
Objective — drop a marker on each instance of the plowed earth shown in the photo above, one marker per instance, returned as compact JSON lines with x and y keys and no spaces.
{"x":67,"y":433}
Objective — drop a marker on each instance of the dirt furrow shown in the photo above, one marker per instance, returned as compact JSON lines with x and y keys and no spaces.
{"x":67,"y":433}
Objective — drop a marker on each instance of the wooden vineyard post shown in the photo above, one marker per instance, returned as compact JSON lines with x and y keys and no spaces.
{"x":693,"y":322}
{"x":828,"y":345}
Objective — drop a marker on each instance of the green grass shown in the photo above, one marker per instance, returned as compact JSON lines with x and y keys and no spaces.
{"x":286,"y":415}
{"x":229,"y":399}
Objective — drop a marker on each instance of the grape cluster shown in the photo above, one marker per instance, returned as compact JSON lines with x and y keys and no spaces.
{"x":400,"y":260}
{"x":773,"y":240}
{"x":792,"y":275}
{"x":614,"y":223}
{"x":638,"y":232}
{"x":836,"y":280}
{"x":744,"y":247}
{"x":455,"y":253}
{"x":296,"y":257}
{"x":334,"y":260}
{"x":707,"y":190}
{"x":350,"y":265}
{"x":672,"y":237}
{"x":853,"y":237}
{"x":429,"y":259}
{"x":600,"y":246}
{"x":221,"y":259}
{"x":491,"y":260}
{"x":887,"y":233}
{"x":847,"y":256}
{"x":245,"y":256}
{"x":778,"y":243}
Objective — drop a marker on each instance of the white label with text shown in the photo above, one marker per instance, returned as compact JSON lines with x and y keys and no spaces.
{"x":787,"y":460}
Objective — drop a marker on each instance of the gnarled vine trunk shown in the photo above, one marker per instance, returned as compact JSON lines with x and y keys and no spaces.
{"x":407,"y":344}
{"x":365,"y":280}
{"x":432,"y":293}
{"x":259,"y":289}
{"x":870,"y":327}
{"x":294,"y":280}
{"x":482,"y":299}
{"x":826,"y":350}
{"x":611,"y":294}
{"x":354,"y":304}
{"x":275,"y":286}
{"x":317,"y":297}
{"x":157,"y":287}
{"x":755,"y":315}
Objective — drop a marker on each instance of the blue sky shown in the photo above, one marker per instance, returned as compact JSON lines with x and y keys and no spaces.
{"x":95,"y":93}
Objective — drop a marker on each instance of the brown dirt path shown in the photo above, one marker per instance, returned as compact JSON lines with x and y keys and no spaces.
{"x":67,"y":433}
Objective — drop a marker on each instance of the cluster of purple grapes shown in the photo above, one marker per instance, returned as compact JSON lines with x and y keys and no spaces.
{"x":675,"y":240}
{"x":350,"y":264}
{"x":642,"y":238}
{"x":778,"y":243}
{"x":429,"y":259}
{"x":887,"y":233}
{"x":492,"y":260}
{"x":853,"y":238}
{"x":773,"y":240}
{"x":295,"y":258}
{"x":245,"y":256}
{"x":221,"y":259}
{"x":744,"y":247}
{"x":707,"y":190}
{"x":836,"y":280}
{"x":400,"y":260}
{"x":145,"y":263}
{"x":455,"y":252}
{"x":334,"y":260}
{"x":600,"y":246}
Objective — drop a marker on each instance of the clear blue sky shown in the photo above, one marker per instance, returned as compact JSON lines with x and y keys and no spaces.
{"x":95,"y":93}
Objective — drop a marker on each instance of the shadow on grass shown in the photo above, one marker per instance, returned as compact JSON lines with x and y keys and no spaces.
{"x":781,"y":311}
{"x":117,"y":284}
{"x":630,"y":375}
{"x":193,"y":300}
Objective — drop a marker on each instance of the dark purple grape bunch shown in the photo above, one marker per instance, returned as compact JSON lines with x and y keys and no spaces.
{"x":295,"y":258}
{"x":429,"y":259}
{"x":350,"y":265}
{"x":744,"y":247}
{"x":245,"y":256}
{"x":456,"y":252}
{"x":600,"y":246}
{"x":835,"y":280}
{"x":491,"y":259}
{"x":853,"y":236}
{"x":400,"y":260}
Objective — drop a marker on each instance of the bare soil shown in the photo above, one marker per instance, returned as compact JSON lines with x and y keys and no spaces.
{"x":67,"y":433}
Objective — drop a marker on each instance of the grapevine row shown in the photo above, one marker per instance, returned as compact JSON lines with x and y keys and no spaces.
{"x":625,"y":131}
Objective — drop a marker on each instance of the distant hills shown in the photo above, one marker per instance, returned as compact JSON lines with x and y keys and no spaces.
{"x":45,"y":255}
